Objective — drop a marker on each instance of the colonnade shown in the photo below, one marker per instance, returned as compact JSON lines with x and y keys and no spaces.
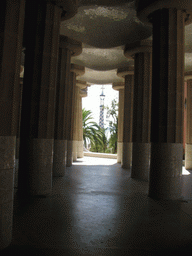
{"x":37,"y":111}
{"x":153,"y":138}
{"x":47,"y":132}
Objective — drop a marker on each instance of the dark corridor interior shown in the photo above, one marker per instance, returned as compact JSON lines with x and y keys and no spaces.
{"x":97,"y":209}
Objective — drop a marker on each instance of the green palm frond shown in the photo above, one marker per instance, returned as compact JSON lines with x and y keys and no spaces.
{"x":92,"y":132}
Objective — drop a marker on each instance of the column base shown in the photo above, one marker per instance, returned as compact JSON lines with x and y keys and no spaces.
{"x":40,"y":166}
{"x":80,"y":149}
{"x":127,"y":155}
{"x":119,"y":151}
{"x":165,"y":179}
{"x":141,"y":161}
{"x":69,"y":153}
{"x":59,"y":158}
{"x":7,"y":168}
{"x":188,"y":156}
{"x":74,"y":150}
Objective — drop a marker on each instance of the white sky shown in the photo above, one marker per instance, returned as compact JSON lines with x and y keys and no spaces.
{"x":92,"y":101}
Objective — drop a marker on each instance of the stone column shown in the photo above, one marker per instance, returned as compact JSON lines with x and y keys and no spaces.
{"x":70,"y":117}
{"x":120,"y":88}
{"x":82,"y":93}
{"x":79,"y":71}
{"x":128,"y":116}
{"x":67,"y":48}
{"x":38,"y":102}
{"x":18,"y":135}
{"x":75,"y":123}
{"x":167,"y":102}
{"x":11,"y":37}
{"x":188,"y":145}
{"x":142,"y":52}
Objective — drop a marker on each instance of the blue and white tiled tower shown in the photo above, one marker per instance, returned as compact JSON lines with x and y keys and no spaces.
{"x":101,"y":116}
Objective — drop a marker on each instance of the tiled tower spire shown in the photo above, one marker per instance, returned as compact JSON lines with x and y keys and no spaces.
{"x":101,"y":116}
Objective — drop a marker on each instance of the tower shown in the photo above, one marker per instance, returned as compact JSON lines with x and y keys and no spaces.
{"x":101,"y":116}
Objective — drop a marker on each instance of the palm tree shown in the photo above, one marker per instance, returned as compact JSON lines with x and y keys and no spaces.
{"x":101,"y":144}
{"x":113,"y":125}
{"x":91,"y":130}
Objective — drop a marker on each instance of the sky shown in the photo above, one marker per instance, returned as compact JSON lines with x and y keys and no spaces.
{"x":92,"y":101}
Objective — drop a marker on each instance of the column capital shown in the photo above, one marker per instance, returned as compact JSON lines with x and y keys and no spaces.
{"x":77,"y":69}
{"x":145,"y":8}
{"x":74,"y":46}
{"x":83,"y":92}
{"x":118,"y":86}
{"x":81,"y":84}
{"x":122,"y":72}
{"x":140,"y":46}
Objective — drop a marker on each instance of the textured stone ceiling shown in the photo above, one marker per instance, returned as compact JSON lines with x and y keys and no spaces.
{"x":104,"y":27}
{"x":100,"y":77}
{"x":102,"y":59}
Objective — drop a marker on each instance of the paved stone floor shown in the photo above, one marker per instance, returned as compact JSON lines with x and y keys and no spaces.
{"x":97,"y":209}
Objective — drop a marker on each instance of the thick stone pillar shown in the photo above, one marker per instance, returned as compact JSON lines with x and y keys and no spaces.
{"x":80,"y":130}
{"x":82,"y":93}
{"x":128,"y":117}
{"x":78,"y":71}
{"x":167,"y":103}
{"x":67,"y":49}
{"x":120,"y":88}
{"x":188,"y":145}
{"x":70,"y":117}
{"x":75,"y":123}
{"x":141,"y":108}
{"x":18,"y":135}
{"x":38,"y":102}
{"x":11,"y":36}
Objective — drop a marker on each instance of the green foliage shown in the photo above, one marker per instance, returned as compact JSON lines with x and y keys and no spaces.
{"x":96,"y":136}
{"x":113,"y":125}
{"x":103,"y":143}
{"x":91,"y":131}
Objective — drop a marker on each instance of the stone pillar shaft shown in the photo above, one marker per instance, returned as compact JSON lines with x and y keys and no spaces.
{"x":76,"y":123}
{"x":70,"y":117}
{"x":142,"y":97}
{"x":128,"y":122}
{"x":120,"y":126}
{"x":38,"y":102}
{"x":167,"y":104}
{"x":60,"y":143}
{"x":142,"y":116}
{"x":80,"y":130}
{"x":18,"y":135}
{"x":188,"y":145}
{"x":11,"y":37}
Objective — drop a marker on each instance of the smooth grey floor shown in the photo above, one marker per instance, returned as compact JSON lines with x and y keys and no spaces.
{"x":97,"y":209}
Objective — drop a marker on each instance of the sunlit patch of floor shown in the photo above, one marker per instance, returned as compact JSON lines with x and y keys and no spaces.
{"x":86,"y":160}
{"x":184,"y":171}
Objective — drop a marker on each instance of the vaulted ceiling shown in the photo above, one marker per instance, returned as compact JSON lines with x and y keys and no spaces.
{"x":104,"y":27}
